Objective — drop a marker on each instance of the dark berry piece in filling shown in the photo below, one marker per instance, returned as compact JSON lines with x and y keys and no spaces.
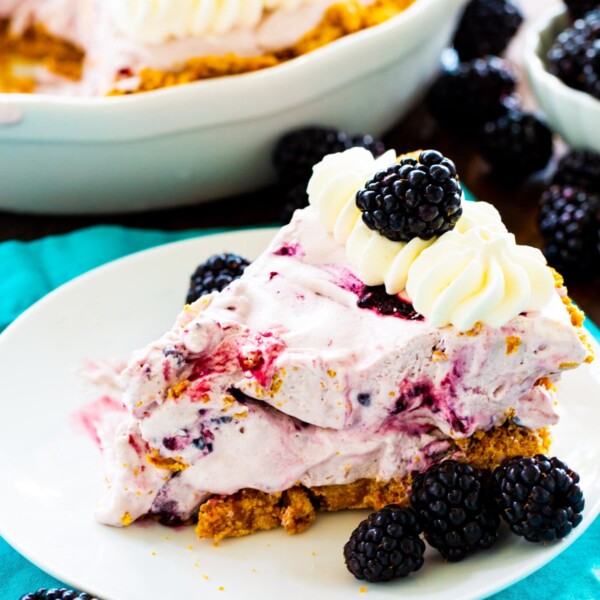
{"x":376,"y":298}
{"x":516,"y":145}
{"x":579,"y":8}
{"x":469,"y":94}
{"x":413,"y":198}
{"x":569,"y":222}
{"x":486,"y":27}
{"x":455,"y":507}
{"x":539,"y":497}
{"x":215,"y":275}
{"x":387,"y":545}
{"x":300,"y":150}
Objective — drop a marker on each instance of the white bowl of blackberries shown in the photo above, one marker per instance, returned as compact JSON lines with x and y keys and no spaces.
{"x":563,"y":62}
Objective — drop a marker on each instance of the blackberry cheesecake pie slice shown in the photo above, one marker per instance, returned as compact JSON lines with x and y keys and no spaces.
{"x":388,"y":327}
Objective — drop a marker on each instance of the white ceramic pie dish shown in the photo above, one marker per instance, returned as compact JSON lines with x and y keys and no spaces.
{"x":210,"y":139}
{"x":570,"y":112}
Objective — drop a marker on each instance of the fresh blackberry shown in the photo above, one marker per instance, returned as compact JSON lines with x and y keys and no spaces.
{"x":516,"y":144}
{"x":296,"y":197}
{"x":373,"y":145}
{"x":569,"y":222}
{"x":386,"y":545}
{"x":57,"y":594}
{"x":579,"y":168}
{"x":538,"y":497}
{"x":575,"y":55}
{"x":455,"y":508}
{"x":470,"y":94}
{"x":578,"y":8}
{"x":486,"y":27}
{"x":412,"y":198}
{"x":215,"y":275}
{"x":298,"y":151}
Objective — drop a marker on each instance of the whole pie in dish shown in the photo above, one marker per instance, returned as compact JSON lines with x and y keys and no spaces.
{"x":343,"y":361}
{"x":98,"y":47}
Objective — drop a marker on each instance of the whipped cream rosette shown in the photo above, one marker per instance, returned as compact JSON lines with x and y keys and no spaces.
{"x":474,"y":273}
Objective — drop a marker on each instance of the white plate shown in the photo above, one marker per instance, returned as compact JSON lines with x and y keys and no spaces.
{"x":179,"y":146}
{"x":52,"y":479}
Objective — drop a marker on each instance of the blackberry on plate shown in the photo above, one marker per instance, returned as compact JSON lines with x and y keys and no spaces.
{"x":295,"y":198}
{"x":575,"y":55}
{"x":215,"y":274}
{"x":57,"y":594}
{"x":455,"y":508}
{"x":578,"y":8}
{"x":516,"y":144}
{"x":413,"y":198}
{"x":470,"y":94}
{"x":580,"y":168}
{"x":298,"y":151}
{"x":373,"y":145}
{"x":569,"y":222}
{"x":386,"y":545}
{"x":486,"y":28}
{"x":539,"y":497}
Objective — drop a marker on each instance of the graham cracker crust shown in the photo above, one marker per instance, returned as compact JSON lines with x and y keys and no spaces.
{"x":296,"y":509}
{"x":63,"y":58}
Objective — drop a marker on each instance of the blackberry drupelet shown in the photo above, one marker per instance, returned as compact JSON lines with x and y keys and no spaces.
{"x":413,"y":198}
{"x":215,"y":275}
{"x":538,"y":497}
{"x":486,"y":28}
{"x":575,"y":55}
{"x":298,"y":151}
{"x":295,"y":198}
{"x":386,"y":545}
{"x":57,"y":594}
{"x":368,"y":142}
{"x":455,"y":508}
{"x":578,"y":8}
{"x":470,"y":94}
{"x":516,"y":144}
{"x":569,"y":222}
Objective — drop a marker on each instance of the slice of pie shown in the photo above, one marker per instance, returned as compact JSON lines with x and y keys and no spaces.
{"x":316,"y":382}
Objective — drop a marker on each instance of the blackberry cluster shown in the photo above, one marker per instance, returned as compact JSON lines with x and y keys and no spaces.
{"x":517,"y":144}
{"x":457,"y":513}
{"x":298,"y":151}
{"x":469,"y":94}
{"x":486,"y":28}
{"x":215,"y":275}
{"x":57,"y":594}
{"x":413,"y":198}
{"x":575,"y":55}
{"x":569,"y":222}
{"x":578,"y":8}
{"x":386,"y":545}
{"x":579,"y":168}
{"x":538,"y":497}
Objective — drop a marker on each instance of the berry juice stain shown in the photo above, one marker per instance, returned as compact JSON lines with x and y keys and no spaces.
{"x":377,"y":299}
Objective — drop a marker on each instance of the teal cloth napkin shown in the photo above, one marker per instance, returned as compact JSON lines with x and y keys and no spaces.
{"x":30,"y":270}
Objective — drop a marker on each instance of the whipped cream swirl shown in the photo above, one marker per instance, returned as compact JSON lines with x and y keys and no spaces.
{"x":474,"y":273}
{"x":480,"y":275}
{"x":156,"y":21}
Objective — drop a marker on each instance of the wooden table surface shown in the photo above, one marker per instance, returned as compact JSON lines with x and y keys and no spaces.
{"x":518,"y":204}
